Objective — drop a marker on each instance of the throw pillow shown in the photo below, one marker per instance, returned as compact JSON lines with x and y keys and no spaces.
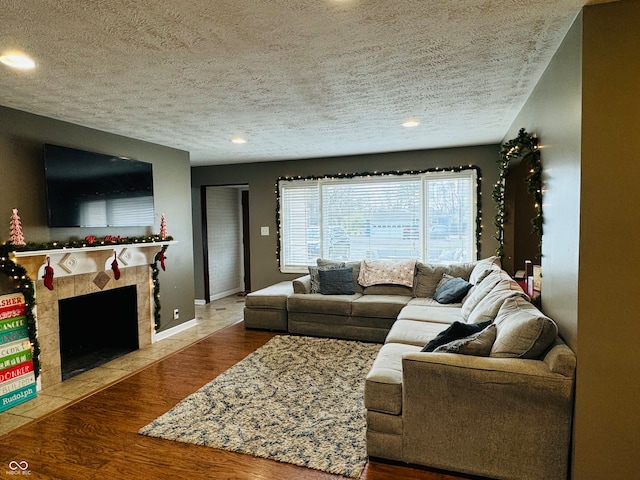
{"x":315,"y":278}
{"x":462,"y":270}
{"x":451,"y":290}
{"x":323,"y":262}
{"x":377,"y":272}
{"x":522,"y":330}
{"x":483,"y":268}
{"x":489,"y":306}
{"x":337,"y":281}
{"x":455,"y":331}
{"x":479,"y":344}
{"x":427,"y":278}
{"x":478,"y":292}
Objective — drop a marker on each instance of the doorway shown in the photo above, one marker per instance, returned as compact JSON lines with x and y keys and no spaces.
{"x":226,"y":241}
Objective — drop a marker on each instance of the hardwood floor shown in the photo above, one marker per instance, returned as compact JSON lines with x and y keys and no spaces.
{"x":97,"y":437}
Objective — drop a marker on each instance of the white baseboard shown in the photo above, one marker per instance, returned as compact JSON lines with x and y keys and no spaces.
{"x":218,"y":296}
{"x":199,"y":301}
{"x":174,"y":330}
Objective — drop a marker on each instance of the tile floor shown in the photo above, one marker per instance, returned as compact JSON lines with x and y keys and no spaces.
{"x":210,"y":318}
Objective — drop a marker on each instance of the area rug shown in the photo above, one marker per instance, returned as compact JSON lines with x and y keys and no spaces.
{"x":298,"y":400}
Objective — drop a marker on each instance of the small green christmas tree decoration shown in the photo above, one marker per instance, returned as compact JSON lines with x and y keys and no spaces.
{"x":16,"y":238}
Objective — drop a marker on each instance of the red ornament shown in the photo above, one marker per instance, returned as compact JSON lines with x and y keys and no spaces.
{"x":90,"y":239}
{"x":162,"y":258}
{"x":48,"y":275}
{"x":114,"y":267}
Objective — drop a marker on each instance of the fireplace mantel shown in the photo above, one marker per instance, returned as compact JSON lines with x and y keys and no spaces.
{"x":90,"y":259}
{"x":82,"y":271}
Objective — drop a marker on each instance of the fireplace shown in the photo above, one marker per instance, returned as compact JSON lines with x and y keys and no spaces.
{"x":83,"y":272}
{"x":97,"y":328}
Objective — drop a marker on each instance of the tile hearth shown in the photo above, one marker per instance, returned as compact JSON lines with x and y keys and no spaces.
{"x":210,"y":318}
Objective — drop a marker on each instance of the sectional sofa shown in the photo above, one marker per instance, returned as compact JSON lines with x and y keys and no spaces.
{"x":480,"y":383}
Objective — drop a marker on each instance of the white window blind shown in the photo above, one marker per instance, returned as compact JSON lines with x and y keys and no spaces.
{"x":428,"y":216}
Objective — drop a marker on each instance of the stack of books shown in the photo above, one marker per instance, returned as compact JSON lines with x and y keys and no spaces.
{"x":17,"y":378}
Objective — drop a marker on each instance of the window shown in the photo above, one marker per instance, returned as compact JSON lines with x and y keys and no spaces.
{"x":429,"y":216}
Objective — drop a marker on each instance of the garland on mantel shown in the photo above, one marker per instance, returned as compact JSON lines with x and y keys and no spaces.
{"x":525,"y":147}
{"x":25,"y":285}
{"x":89,"y":241}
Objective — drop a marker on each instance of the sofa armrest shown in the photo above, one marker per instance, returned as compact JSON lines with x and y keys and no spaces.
{"x":494,"y":417}
{"x":302,"y":284}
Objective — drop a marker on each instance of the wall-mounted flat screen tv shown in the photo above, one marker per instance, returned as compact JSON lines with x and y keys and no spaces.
{"x":87,"y":189}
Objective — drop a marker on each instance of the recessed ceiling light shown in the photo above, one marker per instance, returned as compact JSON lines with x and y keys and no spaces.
{"x":238,"y":140}
{"x":17,"y":60}
{"x":412,"y":122}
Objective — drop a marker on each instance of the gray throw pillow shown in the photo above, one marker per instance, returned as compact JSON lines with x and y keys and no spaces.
{"x":478,"y":344}
{"x":315,"y":278}
{"x":337,"y":281}
{"x":451,"y":290}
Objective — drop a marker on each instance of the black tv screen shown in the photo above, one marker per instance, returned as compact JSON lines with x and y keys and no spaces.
{"x":87,"y":189}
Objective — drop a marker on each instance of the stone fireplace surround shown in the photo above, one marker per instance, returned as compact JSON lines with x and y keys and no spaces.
{"x":80,"y":271}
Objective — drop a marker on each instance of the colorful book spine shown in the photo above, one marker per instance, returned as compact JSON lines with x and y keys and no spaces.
{"x":17,"y":376}
{"x":13,"y":323}
{"x":15,"y":347}
{"x":12,"y":305}
{"x":17,"y":397}
{"x":16,"y":359}
{"x":13,"y":336}
{"x":17,"y":383}
{"x":16,"y":371}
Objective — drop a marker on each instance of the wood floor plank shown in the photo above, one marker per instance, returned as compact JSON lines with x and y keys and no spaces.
{"x":97,"y":436}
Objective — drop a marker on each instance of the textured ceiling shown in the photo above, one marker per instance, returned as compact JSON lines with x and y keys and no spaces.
{"x":297,"y":78}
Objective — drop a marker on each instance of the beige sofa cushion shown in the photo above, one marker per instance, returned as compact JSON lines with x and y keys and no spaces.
{"x":413,"y":332}
{"x":483,"y":267}
{"x":383,"y":385}
{"x":488,"y":307}
{"x":388,"y":290}
{"x":378,"y":306}
{"x":478,"y":292}
{"x":321,"y":304}
{"x":427,"y":278}
{"x":462,"y":270}
{"x":522,"y":330}
{"x":273,"y":296}
{"x":436,"y":314}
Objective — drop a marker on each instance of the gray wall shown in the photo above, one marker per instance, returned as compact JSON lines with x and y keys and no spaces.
{"x":22,"y":136}
{"x":262,"y":178}
{"x":553,"y":112}
{"x":585,"y":110}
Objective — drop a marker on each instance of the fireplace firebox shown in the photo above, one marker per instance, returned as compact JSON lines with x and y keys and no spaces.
{"x":97,"y":328}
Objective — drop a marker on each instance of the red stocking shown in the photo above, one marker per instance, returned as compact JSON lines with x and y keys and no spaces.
{"x":114,"y":267}
{"x":161,"y":257}
{"x":48,"y":275}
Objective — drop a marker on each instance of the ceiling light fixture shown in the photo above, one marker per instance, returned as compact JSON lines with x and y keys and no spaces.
{"x":238,"y":140}
{"x":411,"y":123}
{"x":17,"y":60}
